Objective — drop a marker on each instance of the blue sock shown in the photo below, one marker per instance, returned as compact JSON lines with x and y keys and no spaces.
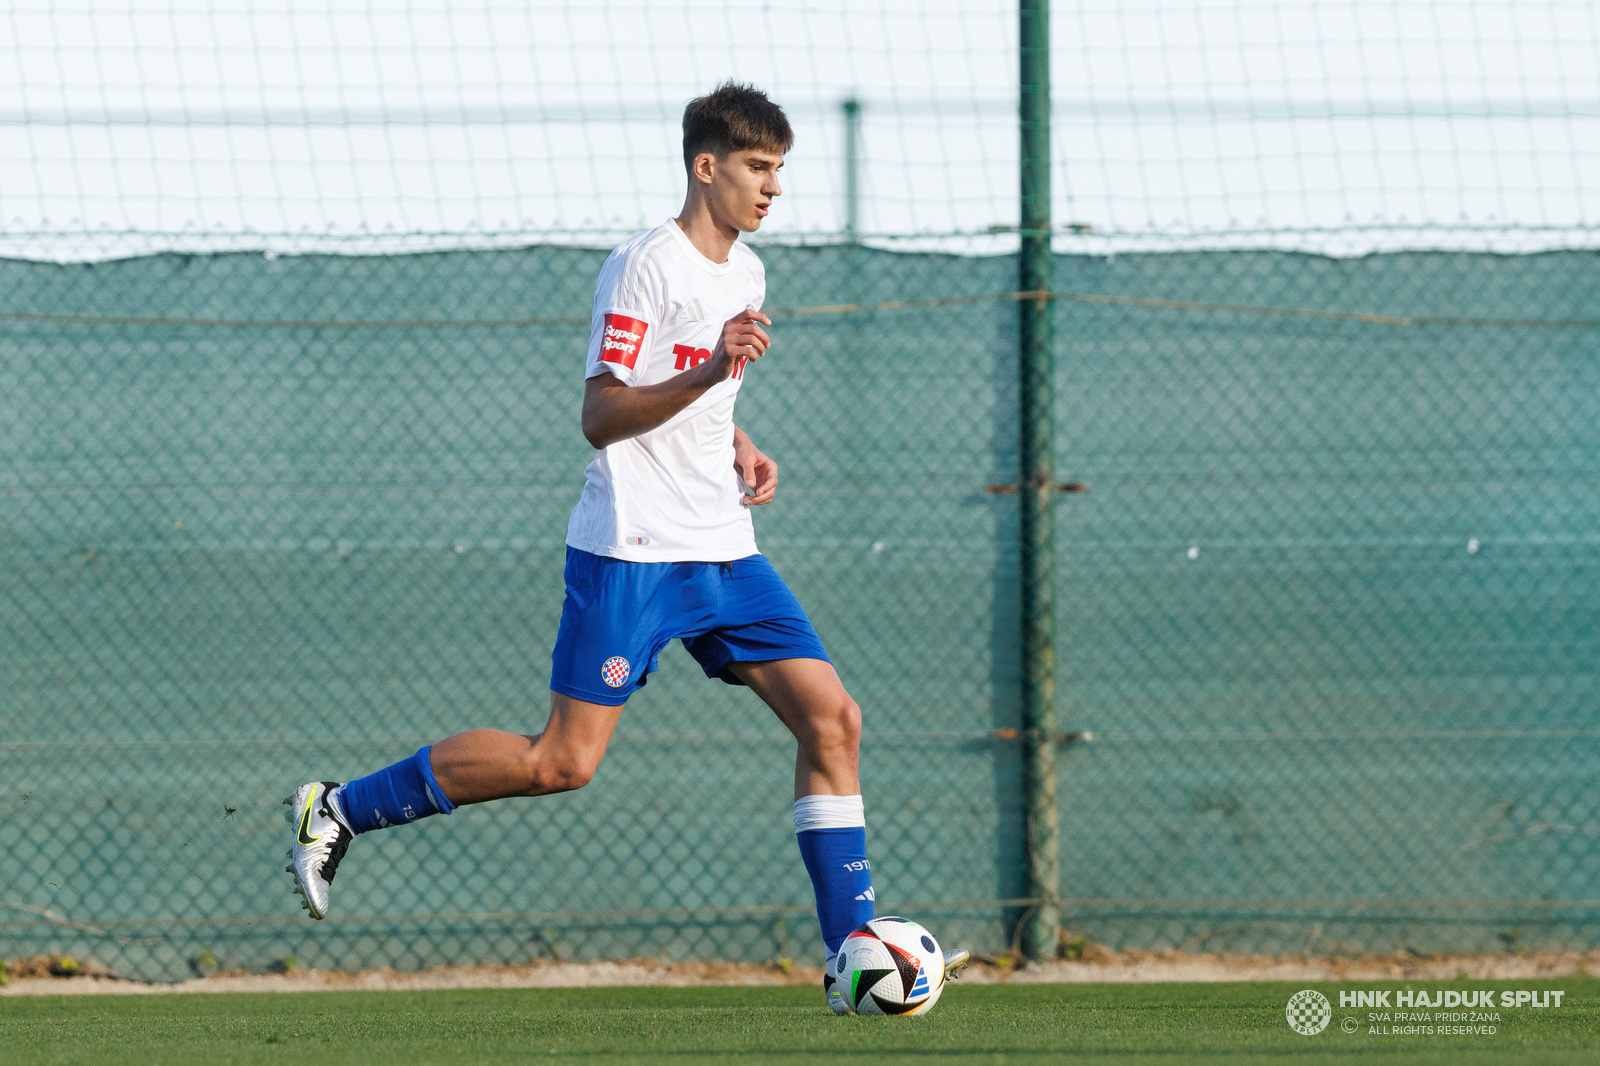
{"x":832,"y":834}
{"x":394,"y":795}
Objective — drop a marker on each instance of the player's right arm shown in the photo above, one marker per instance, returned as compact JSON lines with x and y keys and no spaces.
{"x":614,"y":409}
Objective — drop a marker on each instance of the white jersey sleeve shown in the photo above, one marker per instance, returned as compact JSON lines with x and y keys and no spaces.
{"x":630,"y":303}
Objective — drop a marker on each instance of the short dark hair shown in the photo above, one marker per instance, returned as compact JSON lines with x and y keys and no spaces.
{"x":733,"y":118}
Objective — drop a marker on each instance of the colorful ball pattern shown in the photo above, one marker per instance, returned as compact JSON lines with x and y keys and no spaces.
{"x":890,"y":965}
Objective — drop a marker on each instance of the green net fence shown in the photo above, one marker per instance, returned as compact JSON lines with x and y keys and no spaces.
{"x":1327,"y":606}
{"x":294,"y":305}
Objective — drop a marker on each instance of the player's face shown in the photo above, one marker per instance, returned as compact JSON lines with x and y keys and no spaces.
{"x":743,"y":187}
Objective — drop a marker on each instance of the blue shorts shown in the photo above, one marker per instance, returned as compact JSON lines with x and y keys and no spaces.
{"x":619,"y":615}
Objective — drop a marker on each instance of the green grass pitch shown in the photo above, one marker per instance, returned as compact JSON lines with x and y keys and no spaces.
{"x":1190,"y":1023}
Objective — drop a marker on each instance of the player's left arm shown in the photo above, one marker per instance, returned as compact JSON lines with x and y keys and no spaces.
{"x":760,"y":473}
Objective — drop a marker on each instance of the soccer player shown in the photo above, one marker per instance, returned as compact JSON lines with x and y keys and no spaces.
{"x":660,"y":545}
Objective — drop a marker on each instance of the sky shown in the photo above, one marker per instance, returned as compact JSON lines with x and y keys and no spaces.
{"x":1332,"y":125}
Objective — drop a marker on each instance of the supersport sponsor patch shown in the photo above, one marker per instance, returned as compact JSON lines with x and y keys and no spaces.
{"x":622,"y":339}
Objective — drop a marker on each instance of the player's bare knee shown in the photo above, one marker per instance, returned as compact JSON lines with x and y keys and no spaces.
{"x":560,"y":772}
{"x":850,"y":724}
{"x":572,"y":777}
{"x":836,"y":729}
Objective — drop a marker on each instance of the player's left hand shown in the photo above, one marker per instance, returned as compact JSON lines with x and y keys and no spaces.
{"x":759,"y":473}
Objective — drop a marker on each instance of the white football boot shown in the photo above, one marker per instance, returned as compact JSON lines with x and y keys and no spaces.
{"x":833,"y":988}
{"x":955,"y":961}
{"x":320,"y":840}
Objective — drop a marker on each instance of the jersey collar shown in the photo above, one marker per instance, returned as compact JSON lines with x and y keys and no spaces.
{"x":696,"y":255}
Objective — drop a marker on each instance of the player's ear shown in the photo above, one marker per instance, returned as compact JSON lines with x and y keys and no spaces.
{"x":703,"y":168}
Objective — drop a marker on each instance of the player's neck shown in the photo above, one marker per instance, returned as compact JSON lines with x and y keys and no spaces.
{"x":711,"y":238}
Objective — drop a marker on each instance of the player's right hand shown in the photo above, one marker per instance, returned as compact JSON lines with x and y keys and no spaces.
{"x":742,"y":338}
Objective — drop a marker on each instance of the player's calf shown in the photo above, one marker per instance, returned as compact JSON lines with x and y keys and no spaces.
{"x":488,"y":764}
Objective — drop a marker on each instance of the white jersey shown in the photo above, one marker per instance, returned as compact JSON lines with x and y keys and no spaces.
{"x":672,"y":494}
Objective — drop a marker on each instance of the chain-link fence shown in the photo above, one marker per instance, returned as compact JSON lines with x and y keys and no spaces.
{"x":1330,"y":605}
{"x":1327,"y":609}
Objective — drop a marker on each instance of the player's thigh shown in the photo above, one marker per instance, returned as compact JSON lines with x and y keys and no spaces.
{"x":578,"y":731}
{"x":805,"y":694}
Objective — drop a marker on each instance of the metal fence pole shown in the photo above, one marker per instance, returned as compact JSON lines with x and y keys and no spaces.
{"x":852,"y":169}
{"x":1035,"y":337}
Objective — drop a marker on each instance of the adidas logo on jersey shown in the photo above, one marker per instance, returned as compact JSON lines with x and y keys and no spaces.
{"x":867,"y":895}
{"x":692,"y":312}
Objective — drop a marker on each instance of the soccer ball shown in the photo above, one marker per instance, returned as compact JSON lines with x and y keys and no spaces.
{"x":890,"y":966}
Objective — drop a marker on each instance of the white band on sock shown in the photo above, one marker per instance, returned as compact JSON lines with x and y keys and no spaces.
{"x":828,"y":812}
{"x":336,"y":802}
